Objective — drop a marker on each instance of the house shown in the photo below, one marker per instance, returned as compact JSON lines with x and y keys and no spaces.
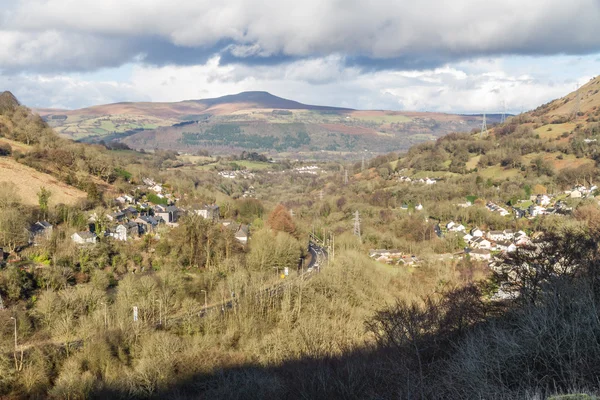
{"x":39,"y":230}
{"x":157,"y":188}
{"x":458,"y":228}
{"x":430,"y":181}
{"x":129,"y":230}
{"x":116,"y":216}
{"x":85,"y":237}
{"x":450,"y":225}
{"x":496,"y":235}
{"x":210,"y":212}
{"x":130,"y":212}
{"x":242,"y":233}
{"x":468,"y":237}
{"x":480,"y":254}
{"x":148,"y":182}
{"x":505,"y":246}
{"x":575,"y":194}
{"x":521,"y":239}
{"x":481,"y":243}
{"x":147,"y":223}
{"x":476,"y":232}
{"x":543,"y":200}
{"x":509,"y":234}
{"x":169,"y":214}
{"x":534,"y":211}
{"x":419,"y":207}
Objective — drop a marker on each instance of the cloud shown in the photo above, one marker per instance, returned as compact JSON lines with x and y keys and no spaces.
{"x":45,"y":35}
{"x":475,"y":86}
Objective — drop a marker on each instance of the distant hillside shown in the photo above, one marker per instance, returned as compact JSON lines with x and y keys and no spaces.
{"x":257,"y":121}
{"x":559,"y":140}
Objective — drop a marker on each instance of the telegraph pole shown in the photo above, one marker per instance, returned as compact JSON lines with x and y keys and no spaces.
{"x":357,"y":225}
{"x":15,"y":351}
{"x":484,"y":130}
{"x":503,"y":118}
{"x":205,"y":303}
{"x":345,"y":177}
{"x":577,"y":104}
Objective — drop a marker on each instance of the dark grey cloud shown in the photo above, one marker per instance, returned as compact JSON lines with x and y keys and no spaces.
{"x":55,"y":35}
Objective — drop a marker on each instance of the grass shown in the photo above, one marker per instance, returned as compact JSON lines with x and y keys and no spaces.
{"x":497,"y":172}
{"x":22,"y":147}
{"x":29,"y":181}
{"x":557,"y":130}
{"x":472,"y":163}
{"x":253,"y":165}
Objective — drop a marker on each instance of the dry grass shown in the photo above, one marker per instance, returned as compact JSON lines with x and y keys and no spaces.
{"x":29,"y":181}
{"x":22,"y":147}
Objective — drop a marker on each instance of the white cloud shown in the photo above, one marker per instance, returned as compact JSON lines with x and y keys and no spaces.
{"x":477,"y":86}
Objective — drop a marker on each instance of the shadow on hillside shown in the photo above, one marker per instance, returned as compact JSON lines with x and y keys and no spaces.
{"x":361,"y":374}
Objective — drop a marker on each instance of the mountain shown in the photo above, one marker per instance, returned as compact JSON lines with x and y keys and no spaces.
{"x":257,"y":121}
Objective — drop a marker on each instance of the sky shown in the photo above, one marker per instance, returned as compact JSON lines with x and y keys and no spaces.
{"x":460,"y":56}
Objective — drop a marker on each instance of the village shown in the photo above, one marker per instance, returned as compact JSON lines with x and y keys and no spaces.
{"x":483,"y":245}
{"x":133,"y":218}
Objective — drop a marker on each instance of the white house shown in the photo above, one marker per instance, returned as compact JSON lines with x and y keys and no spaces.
{"x":536,"y":210}
{"x":85,"y":237}
{"x":481,"y":243}
{"x":496,"y":235}
{"x":480,"y":254}
{"x":157,"y":188}
{"x":430,"y":181}
{"x":576,"y":194}
{"x":476,"y":232}
{"x":543,"y":200}
{"x":126,"y":231}
{"x":468,"y":238}
{"x":419,"y":207}
{"x":509,"y":234}
{"x":450,"y":225}
{"x":506,"y":246}
{"x":209,"y":212}
{"x":242,"y":233}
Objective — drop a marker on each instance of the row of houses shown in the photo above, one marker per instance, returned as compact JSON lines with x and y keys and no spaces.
{"x":393,"y":257}
{"x":426,"y":181}
{"x":481,"y":244}
{"x":244,"y":174}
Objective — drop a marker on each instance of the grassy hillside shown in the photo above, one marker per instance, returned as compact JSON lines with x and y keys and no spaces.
{"x":552,"y":141}
{"x":28,"y":182}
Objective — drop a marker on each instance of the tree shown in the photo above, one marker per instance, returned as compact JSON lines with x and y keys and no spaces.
{"x":13,"y":228}
{"x":43,"y":197}
{"x":5,"y":149}
{"x":281,"y":220}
